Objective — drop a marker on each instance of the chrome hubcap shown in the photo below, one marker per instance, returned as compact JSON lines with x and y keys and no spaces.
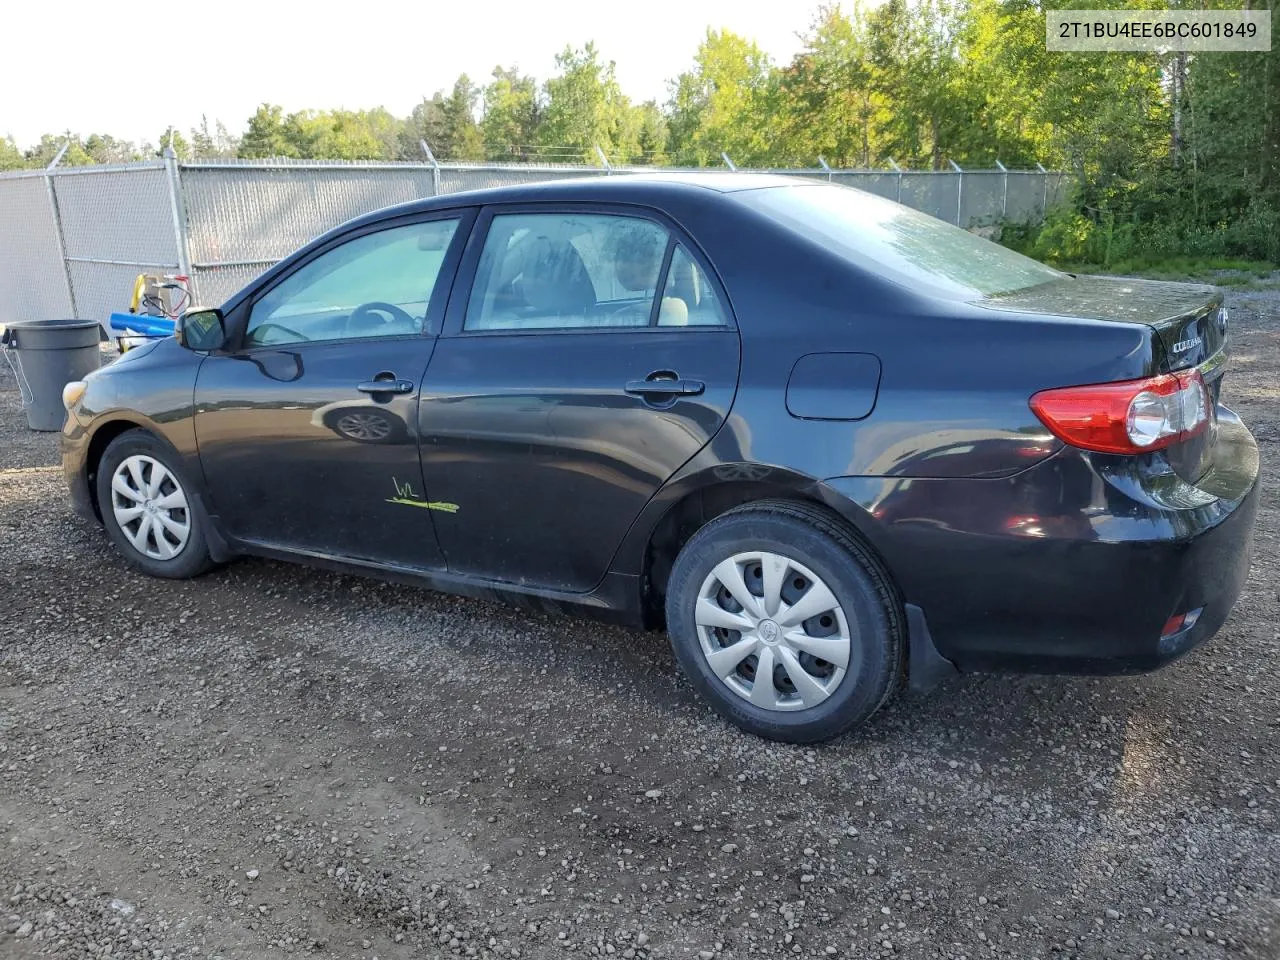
{"x":150,"y":506}
{"x":772,"y":631}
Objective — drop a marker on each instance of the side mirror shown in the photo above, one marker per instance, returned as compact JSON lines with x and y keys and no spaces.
{"x":201,"y":329}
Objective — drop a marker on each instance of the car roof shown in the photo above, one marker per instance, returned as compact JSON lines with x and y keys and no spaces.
{"x":659,"y":189}
{"x":600,"y":188}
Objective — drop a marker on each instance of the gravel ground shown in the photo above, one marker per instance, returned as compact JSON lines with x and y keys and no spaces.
{"x":273,"y":760}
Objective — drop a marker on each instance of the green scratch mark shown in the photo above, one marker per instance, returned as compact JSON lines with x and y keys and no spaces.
{"x":405,"y":495}
{"x":429,"y":504}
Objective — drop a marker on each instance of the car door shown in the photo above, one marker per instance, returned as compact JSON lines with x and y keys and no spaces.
{"x":307,"y":429}
{"x":587,"y":355}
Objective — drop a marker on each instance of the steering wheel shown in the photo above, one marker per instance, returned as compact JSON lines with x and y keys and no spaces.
{"x":392,"y":316}
{"x":294,"y":335}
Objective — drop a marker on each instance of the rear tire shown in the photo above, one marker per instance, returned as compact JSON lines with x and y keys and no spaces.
{"x":820,"y":615}
{"x":149,"y":508}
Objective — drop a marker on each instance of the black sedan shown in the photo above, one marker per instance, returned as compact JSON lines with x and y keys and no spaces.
{"x":829,"y":442}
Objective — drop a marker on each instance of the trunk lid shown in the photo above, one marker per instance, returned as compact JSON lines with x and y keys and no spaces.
{"x":1185,"y":315}
{"x":1188,"y":318}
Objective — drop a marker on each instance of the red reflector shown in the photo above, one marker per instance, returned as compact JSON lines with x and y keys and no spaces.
{"x":1183,"y":621}
{"x":1131,"y":416}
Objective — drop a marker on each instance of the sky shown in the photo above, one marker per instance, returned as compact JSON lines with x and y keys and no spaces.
{"x":131,"y":72}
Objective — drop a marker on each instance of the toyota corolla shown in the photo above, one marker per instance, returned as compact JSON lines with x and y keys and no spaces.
{"x":829,"y":443}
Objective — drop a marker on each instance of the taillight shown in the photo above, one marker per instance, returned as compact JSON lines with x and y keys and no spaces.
{"x":1132,"y":416}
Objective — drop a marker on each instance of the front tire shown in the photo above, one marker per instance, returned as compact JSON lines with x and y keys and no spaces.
{"x":149,"y":509}
{"x":785,"y":622}
{"x":366,"y":425}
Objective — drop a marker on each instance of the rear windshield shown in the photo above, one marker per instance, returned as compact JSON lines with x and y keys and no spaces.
{"x":903,"y":245}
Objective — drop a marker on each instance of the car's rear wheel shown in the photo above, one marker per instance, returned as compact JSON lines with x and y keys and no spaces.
{"x":785,"y":622}
{"x":149,"y":510}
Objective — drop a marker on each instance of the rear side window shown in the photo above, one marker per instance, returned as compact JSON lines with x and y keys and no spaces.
{"x":903,"y":245}
{"x":558,"y":270}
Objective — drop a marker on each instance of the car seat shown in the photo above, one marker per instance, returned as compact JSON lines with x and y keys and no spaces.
{"x":554,"y":280}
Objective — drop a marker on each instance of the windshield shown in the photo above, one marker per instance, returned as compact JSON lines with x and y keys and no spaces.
{"x":903,"y":245}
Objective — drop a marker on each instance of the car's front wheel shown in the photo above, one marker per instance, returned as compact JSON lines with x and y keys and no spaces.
{"x":149,"y":510}
{"x":785,"y":622}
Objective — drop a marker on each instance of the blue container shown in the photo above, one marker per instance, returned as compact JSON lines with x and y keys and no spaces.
{"x":142,"y":324}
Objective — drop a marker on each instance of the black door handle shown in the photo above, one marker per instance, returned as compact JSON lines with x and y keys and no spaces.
{"x":665,"y":388}
{"x":385,"y":386}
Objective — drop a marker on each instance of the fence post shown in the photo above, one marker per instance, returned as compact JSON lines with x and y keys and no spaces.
{"x":1044,"y":203}
{"x":435,"y":167}
{"x":604,"y":161}
{"x":57,"y":226}
{"x":177,"y":208}
{"x":895,"y":166}
{"x":823,"y":163}
{"x":1004,"y":203}
{"x":959,"y":189}
{"x":727,"y":162}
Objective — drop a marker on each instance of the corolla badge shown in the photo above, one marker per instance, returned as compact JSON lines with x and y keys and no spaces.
{"x":1183,"y":345}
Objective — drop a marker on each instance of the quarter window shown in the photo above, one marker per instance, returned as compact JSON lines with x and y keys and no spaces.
{"x":688,"y":300}
{"x":377,"y":285}
{"x":541,"y":271}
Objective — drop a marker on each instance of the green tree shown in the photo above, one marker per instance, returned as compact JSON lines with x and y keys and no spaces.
{"x":724,"y":104}
{"x":1004,"y":72}
{"x":447,"y":123}
{"x":202,"y":146}
{"x":511,"y":114}
{"x":385,"y":128}
{"x":42,"y":154}
{"x":172,"y":137}
{"x":830,"y":106}
{"x":11,"y":157}
{"x":913,"y":54}
{"x":104,"y":148}
{"x":651,"y":134}
{"x":209,"y":145}
{"x":341,"y":134}
{"x":585,"y":108}
{"x":425,"y":123}
{"x":460,"y":137}
{"x":266,"y":135}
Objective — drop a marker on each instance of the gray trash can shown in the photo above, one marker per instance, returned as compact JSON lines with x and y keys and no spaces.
{"x":45,"y":356}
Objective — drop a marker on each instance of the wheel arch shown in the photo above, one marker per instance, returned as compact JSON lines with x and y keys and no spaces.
{"x":99,"y":440}
{"x":102,"y":436}
{"x":689,"y":503}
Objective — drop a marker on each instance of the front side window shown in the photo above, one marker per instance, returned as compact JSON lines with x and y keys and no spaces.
{"x":377,"y":285}
{"x":558,"y":270}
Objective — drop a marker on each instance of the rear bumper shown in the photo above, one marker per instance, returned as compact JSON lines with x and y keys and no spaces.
{"x":1072,"y":566}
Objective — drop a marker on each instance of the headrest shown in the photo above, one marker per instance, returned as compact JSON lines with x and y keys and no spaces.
{"x":554,"y":279}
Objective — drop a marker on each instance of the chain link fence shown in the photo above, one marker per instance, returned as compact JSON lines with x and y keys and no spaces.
{"x":72,"y":240}
{"x":243,"y":217}
{"x":117,"y":222}
{"x":33,"y":272}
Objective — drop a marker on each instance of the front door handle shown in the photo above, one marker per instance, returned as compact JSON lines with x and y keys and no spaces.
{"x":385,"y":386}
{"x":665,"y":388}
